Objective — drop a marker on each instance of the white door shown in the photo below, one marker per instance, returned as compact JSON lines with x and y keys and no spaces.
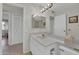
{"x":60,"y":25}
{"x":16,"y":29}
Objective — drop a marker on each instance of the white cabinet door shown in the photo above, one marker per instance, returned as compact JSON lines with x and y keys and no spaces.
{"x":60,"y":25}
{"x":66,"y":51}
{"x":51,"y":50}
{"x":36,"y":48}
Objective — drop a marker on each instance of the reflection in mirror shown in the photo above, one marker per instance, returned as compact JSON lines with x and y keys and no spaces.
{"x":38,"y":22}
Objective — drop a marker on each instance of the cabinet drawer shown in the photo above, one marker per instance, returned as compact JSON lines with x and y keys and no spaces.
{"x":36,"y":47}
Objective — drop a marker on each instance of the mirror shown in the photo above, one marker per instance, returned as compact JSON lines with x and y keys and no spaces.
{"x":38,"y":22}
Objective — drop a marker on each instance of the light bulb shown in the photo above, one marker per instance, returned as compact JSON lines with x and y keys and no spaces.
{"x":50,"y":5}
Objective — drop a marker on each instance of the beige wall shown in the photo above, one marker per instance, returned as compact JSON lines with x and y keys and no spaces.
{"x":73,"y":26}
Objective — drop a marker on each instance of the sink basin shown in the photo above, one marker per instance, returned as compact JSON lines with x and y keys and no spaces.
{"x":42,"y":37}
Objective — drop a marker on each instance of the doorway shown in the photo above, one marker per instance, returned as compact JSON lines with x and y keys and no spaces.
{"x":5,"y":28}
{"x":12,"y":29}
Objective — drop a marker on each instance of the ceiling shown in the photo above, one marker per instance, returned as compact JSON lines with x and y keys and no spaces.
{"x":58,"y":8}
{"x":64,"y":7}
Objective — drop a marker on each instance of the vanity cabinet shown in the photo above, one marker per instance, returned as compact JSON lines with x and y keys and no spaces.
{"x":49,"y":47}
{"x":39,"y":49}
{"x":36,"y":48}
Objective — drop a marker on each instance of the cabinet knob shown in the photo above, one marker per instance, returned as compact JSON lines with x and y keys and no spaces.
{"x":51,"y":51}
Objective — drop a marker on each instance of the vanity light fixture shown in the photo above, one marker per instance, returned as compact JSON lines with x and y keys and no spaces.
{"x":34,"y":15}
{"x":47,"y":7}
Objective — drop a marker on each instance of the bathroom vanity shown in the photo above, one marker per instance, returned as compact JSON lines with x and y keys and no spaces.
{"x":41,"y":47}
{"x":49,"y":46}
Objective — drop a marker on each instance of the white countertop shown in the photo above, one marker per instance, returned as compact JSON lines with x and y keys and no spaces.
{"x":49,"y":40}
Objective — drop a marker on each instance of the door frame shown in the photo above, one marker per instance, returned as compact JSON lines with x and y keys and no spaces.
{"x":8,"y":13}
